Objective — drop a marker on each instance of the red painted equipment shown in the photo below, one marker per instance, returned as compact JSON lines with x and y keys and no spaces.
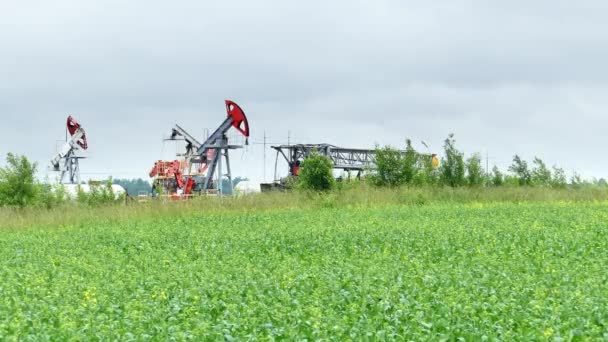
{"x":239,"y":120}
{"x":73,"y":127}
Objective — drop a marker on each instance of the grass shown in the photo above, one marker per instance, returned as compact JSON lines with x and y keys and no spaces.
{"x":350,"y":196}
{"x":379,"y":266}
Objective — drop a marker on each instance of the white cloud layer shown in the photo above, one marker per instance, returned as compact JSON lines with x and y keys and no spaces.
{"x":507,"y":77}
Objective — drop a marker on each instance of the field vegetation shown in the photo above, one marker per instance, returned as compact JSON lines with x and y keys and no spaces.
{"x":412,"y":252}
{"x":410,"y":265}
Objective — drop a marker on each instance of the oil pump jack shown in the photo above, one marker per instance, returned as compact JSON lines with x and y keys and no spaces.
{"x":66,"y":160}
{"x":202,"y":161}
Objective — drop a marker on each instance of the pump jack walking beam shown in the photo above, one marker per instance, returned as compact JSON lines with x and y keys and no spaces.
{"x":218,"y":142}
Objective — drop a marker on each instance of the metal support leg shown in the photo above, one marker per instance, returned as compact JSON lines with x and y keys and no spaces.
{"x":228,"y":172}
{"x":219,"y":173}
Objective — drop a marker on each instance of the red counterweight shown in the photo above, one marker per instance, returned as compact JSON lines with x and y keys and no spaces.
{"x":74,"y":126}
{"x":239,"y":120}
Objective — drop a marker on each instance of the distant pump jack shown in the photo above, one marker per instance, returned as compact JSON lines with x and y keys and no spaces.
{"x":66,"y":161}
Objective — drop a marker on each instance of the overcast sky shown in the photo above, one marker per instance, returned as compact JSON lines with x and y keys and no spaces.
{"x":507,"y":77}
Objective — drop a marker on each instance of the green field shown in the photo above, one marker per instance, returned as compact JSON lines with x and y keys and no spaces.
{"x":525,"y":271}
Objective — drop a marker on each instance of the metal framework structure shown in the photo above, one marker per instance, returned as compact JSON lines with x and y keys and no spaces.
{"x":349,"y":159}
{"x":66,"y":161}
{"x":342,"y":158}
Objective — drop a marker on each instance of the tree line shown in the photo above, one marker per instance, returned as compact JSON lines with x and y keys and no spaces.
{"x":20,"y":188}
{"x":395,"y":167}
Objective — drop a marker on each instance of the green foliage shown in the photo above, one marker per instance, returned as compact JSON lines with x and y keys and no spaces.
{"x":98,"y":194}
{"x":50,"y":196}
{"x":389,"y":167}
{"x":475,"y":175}
{"x":316,"y":173}
{"x":576,"y":181}
{"x":559,"y":178}
{"x":502,"y":271}
{"x":425,"y":174}
{"x":17,"y":184}
{"x":541,"y":175}
{"x":498,"y":178}
{"x":396,"y":168}
{"x":452,"y":164}
{"x":410,"y":163}
{"x":520,"y":169}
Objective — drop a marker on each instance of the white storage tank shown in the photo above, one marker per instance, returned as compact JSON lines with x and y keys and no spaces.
{"x":246,"y":188}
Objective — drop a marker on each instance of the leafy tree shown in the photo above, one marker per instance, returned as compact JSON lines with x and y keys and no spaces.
{"x":559,"y":178}
{"x":410,"y":163}
{"x":452,"y":167}
{"x":498,"y":178}
{"x":541,"y":175}
{"x":425,"y":174}
{"x":17,"y":185}
{"x":316,"y":173}
{"x":475,"y":176}
{"x":520,"y":170}
{"x":389,"y":167}
{"x":577,"y":181}
{"x":602,"y":183}
{"x":49,"y":196}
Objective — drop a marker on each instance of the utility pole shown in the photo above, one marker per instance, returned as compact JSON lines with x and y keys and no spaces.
{"x":264,"y":155}
{"x":487,"y":169}
{"x":487,"y":163}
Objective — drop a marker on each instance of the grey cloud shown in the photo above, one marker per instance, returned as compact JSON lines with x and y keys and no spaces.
{"x":506,"y":77}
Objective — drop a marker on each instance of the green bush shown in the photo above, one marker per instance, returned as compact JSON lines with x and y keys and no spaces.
{"x":520,"y":170}
{"x":498,"y":178}
{"x":17,"y":184}
{"x":99,"y":194}
{"x":50,"y":196}
{"x":389,"y":167}
{"x":452,"y":164}
{"x":558,"y":180}
{"x":316,"y":173}
{"x":475,"y":176}
{"x":541,"y":175}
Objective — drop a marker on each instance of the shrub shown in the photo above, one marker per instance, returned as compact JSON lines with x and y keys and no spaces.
{"x":452,"y":167}
{"x":410,"y":163}
{"x":17,"y":185}
{"x":49,"y":196}
{"x":497,"y":177}
{"x":389,"y":167}
{"x":316,"y":173}
{"x":559,"y":178}
{"x":541,"y":175}
{"x":475,"y":174}
{"x":520,"y":171}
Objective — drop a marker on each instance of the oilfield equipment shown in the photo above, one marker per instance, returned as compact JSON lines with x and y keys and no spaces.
{"x":200,"y":170}
{"x":204,"y":166}
{"x":344,"y":159}
{"x":66,"y":161}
